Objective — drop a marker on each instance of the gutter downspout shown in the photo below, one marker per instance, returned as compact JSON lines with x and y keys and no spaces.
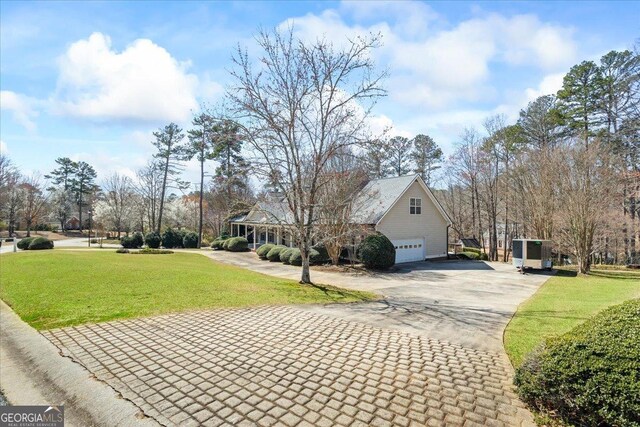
{"x":448,"y":225}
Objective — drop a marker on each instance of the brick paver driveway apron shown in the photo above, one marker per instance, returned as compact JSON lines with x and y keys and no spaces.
{"x":294,"y":367}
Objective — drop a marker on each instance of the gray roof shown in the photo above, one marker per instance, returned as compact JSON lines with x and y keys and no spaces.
{"x":378,"y":196}
{"x":373,"y":201}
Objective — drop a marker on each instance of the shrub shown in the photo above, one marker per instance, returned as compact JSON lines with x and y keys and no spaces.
{"x":122,"y":251}
{"x":274,"y":254}
{"x":319,"y":255}
{"x":263,"y":250}
{"x":40,"y":243}
{"x":238,"y":244}
{"x":24,"y":243}
{"x":468,"y":255}
{"x":589,"y":376}
{"x":474,"y":250}
{"x":153,"y":240}
{"x":151,"y":251}
{"x":190,"y":240}
{"x":217,"y":244}
{"x":225,"y":244}
{"x":377,"y":252}
{"x":132,"y":242}
{"x":483,"y":257}
{"x":285,"y":254}
{"x":295,"y":258}
{"x":172,"y":238}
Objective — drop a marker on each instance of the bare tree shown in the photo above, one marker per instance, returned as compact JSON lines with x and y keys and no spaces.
{"x":118,"y":195}
{"x":148,"y":187}
{"x":298,"y":104}
{"x":34,"y":200}
{"x":586,"y":185}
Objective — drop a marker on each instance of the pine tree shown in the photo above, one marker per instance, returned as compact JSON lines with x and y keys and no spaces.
{"x":426,"y":156}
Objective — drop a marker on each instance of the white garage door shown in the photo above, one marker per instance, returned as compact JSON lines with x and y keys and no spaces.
{"x":409,"y":250}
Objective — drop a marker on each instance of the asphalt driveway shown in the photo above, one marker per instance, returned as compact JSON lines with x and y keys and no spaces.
{"x":462,"y":302}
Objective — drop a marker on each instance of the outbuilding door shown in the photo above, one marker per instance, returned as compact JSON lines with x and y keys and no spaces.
{"x":408,"y":250}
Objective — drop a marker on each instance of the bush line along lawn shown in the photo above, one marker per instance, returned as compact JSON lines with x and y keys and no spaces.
{"x":565,"y":301}
{"x":55,"y":289}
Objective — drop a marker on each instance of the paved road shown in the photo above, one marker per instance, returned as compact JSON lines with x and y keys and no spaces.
{"x":410,"y":359}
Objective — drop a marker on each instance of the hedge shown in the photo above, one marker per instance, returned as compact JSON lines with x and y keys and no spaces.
{"x":151,"y":251}
{"x":590,"y":375}
{"x":377,"y":252}
{"x":132,"y":242}
{"x":217,"y":244}
{"x":263,"y":250}
{"x":225,"y":244}
{"x":295,"y":258}
{"x":274,"y":254}
{"x":237,"y":244}
{"x":153,"y":240}
{"x":24,"y":243}
{"x":319,"y":255}
{"x":468,"y":255}
{"x":285,"y":254}
{"x":190,"y":240}
{"x":40,"y":243}
{"x":172,"y":238}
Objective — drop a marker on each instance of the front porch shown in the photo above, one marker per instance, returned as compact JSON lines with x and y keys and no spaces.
{"x":260,"y":234}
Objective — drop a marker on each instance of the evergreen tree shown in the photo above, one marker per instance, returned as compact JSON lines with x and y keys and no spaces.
{"x":399,"y":155}
{"x":231,"y":174}
{"x":171,"y":152}
{"x":61,"y":178}
{"x":426,"y":156}
{"x":580,"y":99}
{"x":201,"y":146}
{"x":82,"y":184}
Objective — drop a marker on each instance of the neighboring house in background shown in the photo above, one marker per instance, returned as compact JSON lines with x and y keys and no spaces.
{"x":469,"y":243}
{"x":401,"y":208}
{"x":72,"y":223}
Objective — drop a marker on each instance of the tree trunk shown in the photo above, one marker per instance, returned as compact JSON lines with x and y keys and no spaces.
{"x":164,"y":187}
{"x":200,"y":202}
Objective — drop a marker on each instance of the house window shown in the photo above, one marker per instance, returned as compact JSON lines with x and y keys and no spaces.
{"x":415,"y":206}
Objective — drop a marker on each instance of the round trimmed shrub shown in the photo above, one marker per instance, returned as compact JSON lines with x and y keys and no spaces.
{"x":274,"y":254}
{"x":24,"y":243}
{"x":263,"y":250}
{"x":40,"y":243}
{"x":377,"y":252}
{"x":190,"y":240}
{"x":225,"y":244}
{"x":217,"y":244}
{"x":172,"y":238}
{"x":153,"y":240}
{"x":238,"y":244}
{"x":319,"y":255}
{"x":285,"y":254}
{"x":295,"y":258}
{"x":588,"y":376}
{"x":134,"y":241}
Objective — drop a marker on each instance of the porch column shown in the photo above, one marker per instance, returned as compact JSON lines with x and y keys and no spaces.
{"x":255,"y":240}
{"x":278,"y":236}
{"x":290,"y":239}
{"x":246,"y":234}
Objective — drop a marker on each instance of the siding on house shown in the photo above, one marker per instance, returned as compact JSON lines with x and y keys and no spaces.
{"x":398,"y":223}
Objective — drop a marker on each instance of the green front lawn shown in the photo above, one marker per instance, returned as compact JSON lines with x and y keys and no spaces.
{"x":50,"y":289}
{"x":563,"y":302}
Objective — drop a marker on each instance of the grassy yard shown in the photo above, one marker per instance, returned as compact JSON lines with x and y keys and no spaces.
{"x":563,"y":302}
{"x":50,"y":289}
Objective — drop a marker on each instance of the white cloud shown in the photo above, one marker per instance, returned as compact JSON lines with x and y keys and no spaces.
{"x":3,"y":148}
{"x":21,"y":107}
{"x":141,"y":83}
{"x":549,"y":85}
{"x":432,"y":67}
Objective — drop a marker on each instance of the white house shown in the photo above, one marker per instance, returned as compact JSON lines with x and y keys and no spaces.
{"x":402,"y":208}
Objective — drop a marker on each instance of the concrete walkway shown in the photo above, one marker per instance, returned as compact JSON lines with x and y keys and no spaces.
{"x":462,"y":302}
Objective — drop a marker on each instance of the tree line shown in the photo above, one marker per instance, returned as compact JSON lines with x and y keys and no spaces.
{"x":568,"y":170}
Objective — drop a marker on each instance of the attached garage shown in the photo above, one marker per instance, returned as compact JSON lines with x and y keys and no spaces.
{"x":408,"y":250}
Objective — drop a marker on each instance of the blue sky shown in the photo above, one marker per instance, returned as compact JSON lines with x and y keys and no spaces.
{"x":92,"y":80}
